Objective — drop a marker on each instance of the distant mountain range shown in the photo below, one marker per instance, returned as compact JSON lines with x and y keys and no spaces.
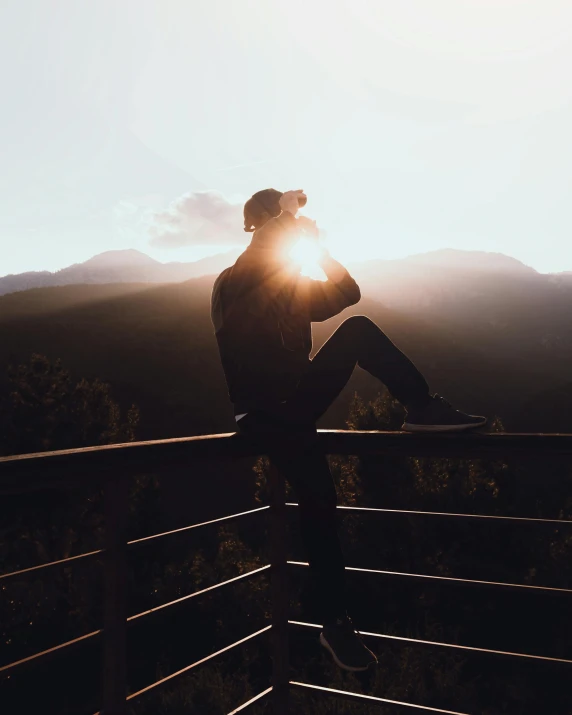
{"x":489,"y":300}
{"x":129,"y":266}
{"x":408,"y":278}
{"x":491,"y":334}
{"x":156,"y":346}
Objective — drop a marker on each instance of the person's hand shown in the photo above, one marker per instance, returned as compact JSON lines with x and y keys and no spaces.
{"x":308,"y":226}
{"x":289,"y":201}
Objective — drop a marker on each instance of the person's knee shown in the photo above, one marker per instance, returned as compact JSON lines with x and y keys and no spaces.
{"x":358,"y":325}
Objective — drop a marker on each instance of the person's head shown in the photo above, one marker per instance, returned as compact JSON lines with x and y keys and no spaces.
{"x":267,"y":204}
{"x":260,"y":208}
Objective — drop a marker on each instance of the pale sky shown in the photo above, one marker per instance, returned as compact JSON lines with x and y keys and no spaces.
{"x":412,"y":126}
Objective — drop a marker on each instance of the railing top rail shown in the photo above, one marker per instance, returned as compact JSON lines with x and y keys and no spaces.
{"x":102,"y":462}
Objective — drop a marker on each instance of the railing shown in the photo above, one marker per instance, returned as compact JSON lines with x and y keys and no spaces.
{"x":112,"y":466}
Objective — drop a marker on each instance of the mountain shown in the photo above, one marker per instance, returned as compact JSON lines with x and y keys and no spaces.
{"x":129,"y":258}
{"x":436,"y":277}
{"x":406,"y":283}
{"x":211,"y":265}
{"x":488,"y":330}
{"x":474,"y":261}
{"x":128,"y":266}
{"x":564,"y":278}
{"x":155,"y":345}
{"x":489,"y":300}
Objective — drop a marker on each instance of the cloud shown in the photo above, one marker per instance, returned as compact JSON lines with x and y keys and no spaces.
{"x":198,"y":218}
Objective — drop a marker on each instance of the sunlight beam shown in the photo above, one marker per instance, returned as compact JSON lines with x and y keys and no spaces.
{"x":307,"y":253}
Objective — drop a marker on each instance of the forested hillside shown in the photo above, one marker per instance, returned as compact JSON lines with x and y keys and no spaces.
{"x":155,"y":345}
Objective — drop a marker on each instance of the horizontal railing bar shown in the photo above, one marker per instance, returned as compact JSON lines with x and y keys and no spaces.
{"x":196,"y":526}
{"x":417,"y":641}
{"x":261,"y":695}
{"x":149,"y":612}
{"x":177,"y":601}
{"x":359,"y":697}
{"x":50,"y":564}
{"x":198,"y":662}
{"x":130,"y":458}
{"x":49,"y":652}
{"x":292,"y":504}
{"x":448,"y":513}
{"x":403,"y":574}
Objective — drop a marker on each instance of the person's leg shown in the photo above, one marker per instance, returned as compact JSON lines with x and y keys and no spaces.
{"x":357,"y":341}
{"x":308,"y":473}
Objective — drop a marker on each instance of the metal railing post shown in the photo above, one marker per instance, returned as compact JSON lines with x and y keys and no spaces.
{"x":279,"y":594}
{"x":116,"y":493}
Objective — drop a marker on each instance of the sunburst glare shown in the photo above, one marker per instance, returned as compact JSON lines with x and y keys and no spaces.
{"x":307,"y":253}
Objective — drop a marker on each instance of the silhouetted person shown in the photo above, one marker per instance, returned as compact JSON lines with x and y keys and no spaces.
{"x":262,"y":311}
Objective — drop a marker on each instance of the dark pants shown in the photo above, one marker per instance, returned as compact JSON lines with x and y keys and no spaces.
{"x":358,"y":341}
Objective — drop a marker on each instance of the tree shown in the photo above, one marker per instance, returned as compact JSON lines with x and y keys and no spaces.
{"x":45,"y":409}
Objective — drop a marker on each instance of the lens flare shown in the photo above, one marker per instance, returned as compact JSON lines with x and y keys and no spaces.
{"x":307,"y":252}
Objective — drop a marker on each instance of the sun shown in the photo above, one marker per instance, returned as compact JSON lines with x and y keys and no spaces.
{"x":307,"y":253}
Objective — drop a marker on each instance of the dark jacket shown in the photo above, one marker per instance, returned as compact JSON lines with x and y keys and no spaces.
{"x":262,"y":312}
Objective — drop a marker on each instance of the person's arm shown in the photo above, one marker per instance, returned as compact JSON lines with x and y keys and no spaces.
{"x":328,"y":298}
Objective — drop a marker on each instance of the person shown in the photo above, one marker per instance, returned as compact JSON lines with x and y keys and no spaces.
{"x":262,"y":309}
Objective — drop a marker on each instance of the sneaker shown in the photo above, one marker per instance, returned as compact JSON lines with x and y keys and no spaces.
{"x":439,"y":416}
{"x":346,"y":646}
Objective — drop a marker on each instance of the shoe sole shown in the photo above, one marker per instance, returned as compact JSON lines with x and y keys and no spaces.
{"x":337,"y":661}
{"x":407,"y":427}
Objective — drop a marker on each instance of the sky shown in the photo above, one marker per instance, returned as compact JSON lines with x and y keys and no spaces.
{"x":412,"y":126}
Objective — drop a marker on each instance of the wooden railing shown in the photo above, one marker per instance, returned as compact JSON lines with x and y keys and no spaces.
{"x":112,"y":466}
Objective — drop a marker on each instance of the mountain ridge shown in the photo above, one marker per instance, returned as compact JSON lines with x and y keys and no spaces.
{"x":474,"y":260}
{"x":131,"y":265}
{"x":156,"y":345}
{"x":119,"y":266}
{"x":127,"y":257}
